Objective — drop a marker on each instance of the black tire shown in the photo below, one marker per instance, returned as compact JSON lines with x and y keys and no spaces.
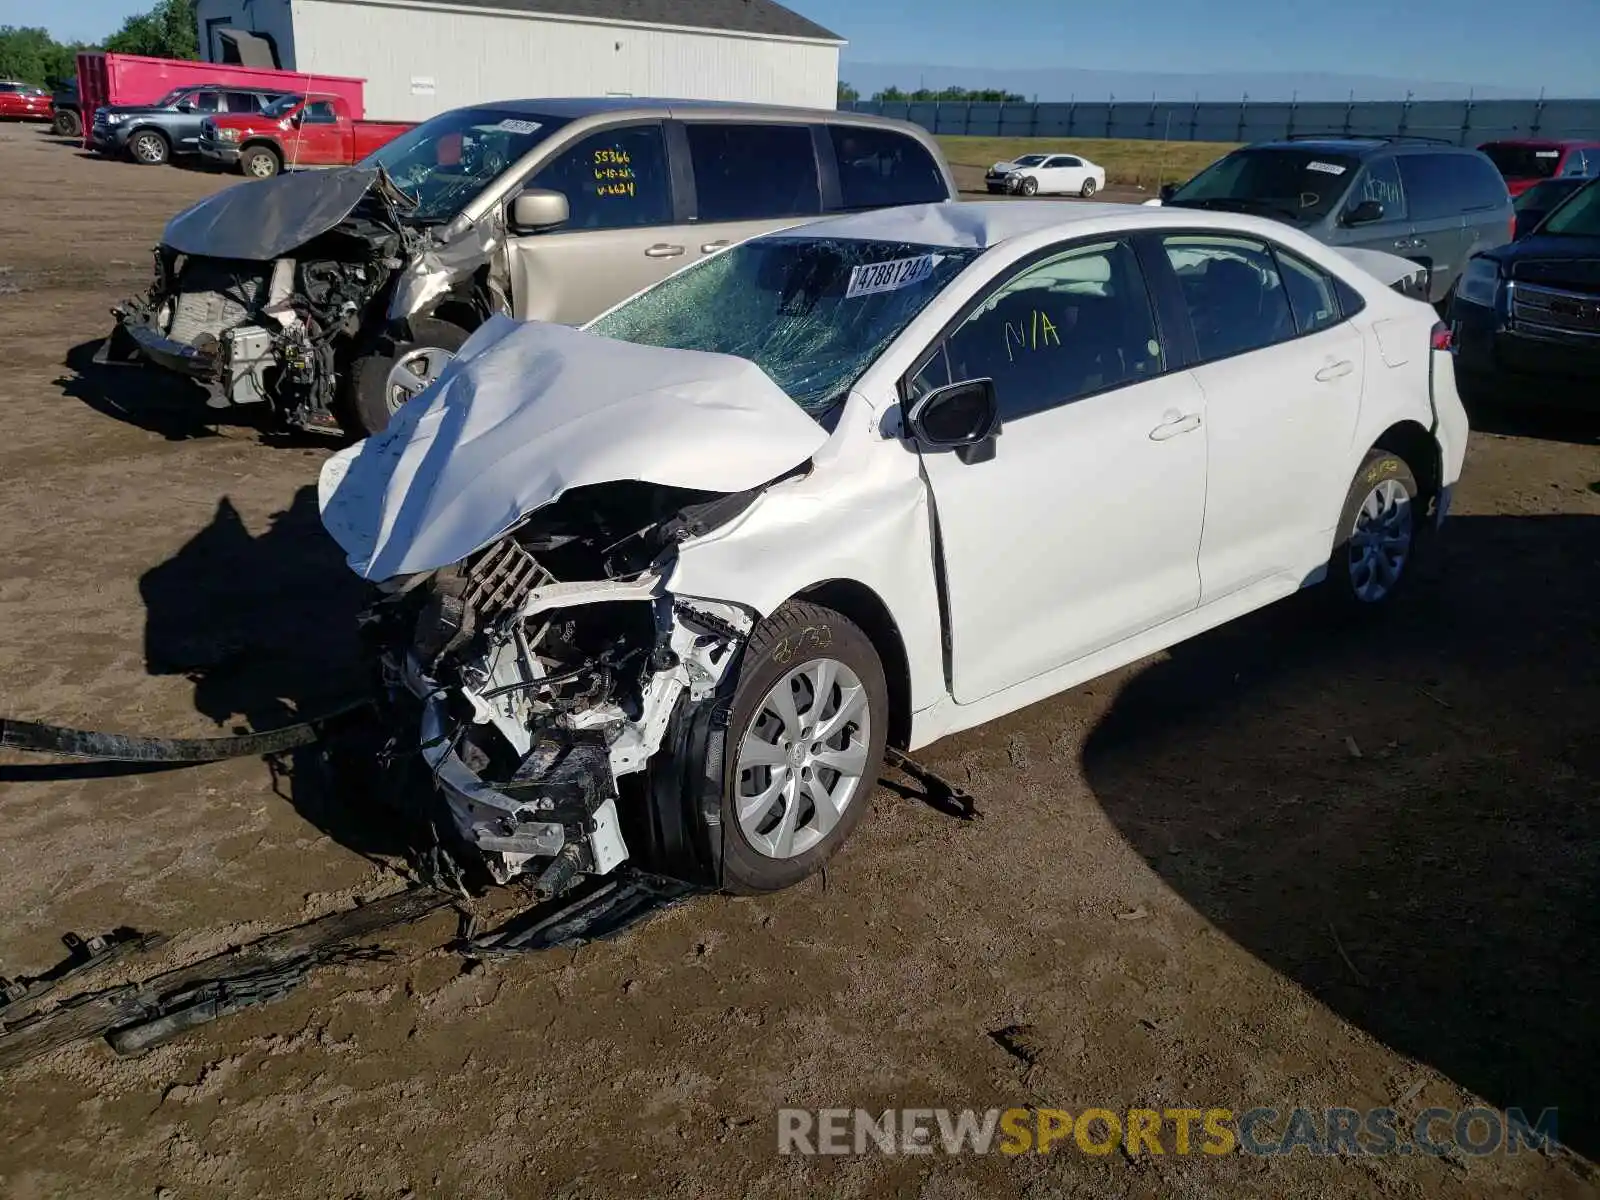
{"x":369,"y":374}
{"x":67,"y":124}
{"x":149,"y":147}
{"x":1090,"y":187}
{"x":796,"y":634}
{"x":1029,"y":186}
{"x":1379,"y":467}
{"x":259,"y":162}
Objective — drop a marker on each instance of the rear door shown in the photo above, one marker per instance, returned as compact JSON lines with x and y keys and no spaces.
{"x":1282,"y":371}
{"x":1438,"y":202}
{"x":623,"y":235}
{"x":747,"y":179}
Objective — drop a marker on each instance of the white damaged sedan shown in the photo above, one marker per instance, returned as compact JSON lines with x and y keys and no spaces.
{"x":664,"y":588}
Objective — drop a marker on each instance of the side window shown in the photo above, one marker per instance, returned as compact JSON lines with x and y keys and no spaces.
{"x":1064,"y":160}
{"x":240,"y":102}
{"x":1380,"y":181}
{"x":749,"y":172}
{"x":879,"y":168}
{"x":1077,"y":323}
{"x":1236,"y":299}
{"x":1312,"y":297}
{"x":320,"y":112}
{"x":1444,"y":185}
{"x":614,"y":179}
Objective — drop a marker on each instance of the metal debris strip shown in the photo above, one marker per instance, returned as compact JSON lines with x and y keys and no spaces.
{"x":945,"y":796}
{"x":620,"y":901}
{"x":39,"y":738}
{"x":136,"y":1016}
{"x":84,"y":954}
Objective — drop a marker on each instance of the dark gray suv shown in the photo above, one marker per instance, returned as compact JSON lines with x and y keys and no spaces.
{"x":1431,"y":202}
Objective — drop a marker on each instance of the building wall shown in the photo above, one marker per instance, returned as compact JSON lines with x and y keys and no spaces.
{"x":271,"y":17}
{"x":419,"y":59}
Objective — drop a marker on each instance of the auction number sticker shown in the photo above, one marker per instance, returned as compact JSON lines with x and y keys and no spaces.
{"x":1325,"y":168}
{"x":891,"y":276}
{"x":512,"y":125}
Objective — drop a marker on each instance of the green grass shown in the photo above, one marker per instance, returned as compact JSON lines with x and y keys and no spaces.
{"x":1126,"y":160}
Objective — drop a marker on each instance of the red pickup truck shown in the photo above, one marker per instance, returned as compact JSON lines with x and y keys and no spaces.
{"x":295,"y":131}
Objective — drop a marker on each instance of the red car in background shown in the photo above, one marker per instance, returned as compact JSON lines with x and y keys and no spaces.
{"x":24,"y":102}
{"x":295,"y":131}
{"x":1527,"y":161}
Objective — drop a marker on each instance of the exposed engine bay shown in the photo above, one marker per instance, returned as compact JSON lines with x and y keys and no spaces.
{"x":548,"y":667}
{"x":267,"y":297}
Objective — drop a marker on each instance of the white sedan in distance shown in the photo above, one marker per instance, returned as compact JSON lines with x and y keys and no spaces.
{"x":1046,"y":175}
{"x":665,"y":588}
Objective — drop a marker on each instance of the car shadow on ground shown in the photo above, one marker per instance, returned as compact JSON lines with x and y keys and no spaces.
{"x":264,"y":626}
{"x":1510,"y":416}
{"x":1400,"y":816}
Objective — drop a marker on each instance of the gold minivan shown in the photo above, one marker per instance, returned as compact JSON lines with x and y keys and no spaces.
{"x":334,"y":297}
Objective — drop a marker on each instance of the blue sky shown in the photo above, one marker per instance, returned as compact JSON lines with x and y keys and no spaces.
{"x":1481,"y":42}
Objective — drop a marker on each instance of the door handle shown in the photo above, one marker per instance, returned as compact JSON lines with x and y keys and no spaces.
{"x":1174,"y":425}
{"x":1404,"y":243}
{"x":713,"y":247}
{"x":1419,"y":243}
{"x":1335,"y":370}
{"x":662,"y":250}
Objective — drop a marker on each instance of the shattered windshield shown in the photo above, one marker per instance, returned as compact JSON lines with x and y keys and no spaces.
{"x":813,"y":313}
{"x":445,"y":162}
{"x":1298,"y":185}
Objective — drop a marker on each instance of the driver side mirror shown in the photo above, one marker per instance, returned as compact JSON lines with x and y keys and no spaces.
{"x":1364,"y":212}
{"x":964,"y":417}
{"x":185,"y":106}
{"x":1168,"y":191}
{"x":538,"y":208}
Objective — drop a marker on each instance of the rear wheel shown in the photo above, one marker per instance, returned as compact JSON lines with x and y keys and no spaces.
{"x":1377,"y":535}
{"x":149,"y":147}
{"x":381,"y":384}
{"x":260,"y":162}
{"x":806,"y":734}
{"x":67,"y":124}
{"x":1090,"y":187}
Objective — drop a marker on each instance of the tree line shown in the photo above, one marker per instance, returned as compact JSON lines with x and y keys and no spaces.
{"x":31,"y":55}
{"x":894,"y":95}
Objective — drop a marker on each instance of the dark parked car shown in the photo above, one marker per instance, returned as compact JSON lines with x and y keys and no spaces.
{"x":1537,"y":203}
{"x":1525,"y":161}
{"x":153,"y":133}
{"x":66,"y":111}
{"x":1431,"y":202}
{"x":1528,"y":314}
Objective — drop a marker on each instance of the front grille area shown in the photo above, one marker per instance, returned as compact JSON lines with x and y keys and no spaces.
{"x":499,"y":581}
{"x":214,"y":295}
{"x":1551,"y":310}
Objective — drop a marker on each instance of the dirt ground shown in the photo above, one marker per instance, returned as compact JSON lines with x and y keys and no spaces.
{"x":1286,"y":864}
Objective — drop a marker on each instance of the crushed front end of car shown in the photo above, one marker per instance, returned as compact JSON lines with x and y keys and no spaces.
{"x":522,"y":521}
{"x":265,"y":293}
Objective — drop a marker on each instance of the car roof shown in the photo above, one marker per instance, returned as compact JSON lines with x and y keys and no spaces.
{"x":1543,"y":142}
{"x":574,"y":107}
{"x":982,"y":224}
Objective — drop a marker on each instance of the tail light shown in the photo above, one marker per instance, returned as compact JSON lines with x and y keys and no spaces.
{"x":1442,"y":338}
{"x":1511,"y":228}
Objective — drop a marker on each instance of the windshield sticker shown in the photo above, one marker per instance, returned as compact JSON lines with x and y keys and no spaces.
{"x":1325,"y":168}
{"x":1547,"y":154}
{"x":891,"y":276}
{"x":512,"y":125}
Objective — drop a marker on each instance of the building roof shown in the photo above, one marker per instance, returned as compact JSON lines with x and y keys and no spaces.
{"x":758,"y":17}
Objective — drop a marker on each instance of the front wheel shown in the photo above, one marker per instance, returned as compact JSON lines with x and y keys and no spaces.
{"x":806,"y":733}
{"x":1090,"y":187}
{"x":260,"y":162}
{"x":1029,"y":186}
{"x":381,"y":384}
{"x":148,"y":147}
{"x":1376,"y":540}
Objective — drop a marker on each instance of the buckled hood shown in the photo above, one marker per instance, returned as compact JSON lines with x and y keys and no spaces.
{"x":528,"y":411}
{"x":266,"y":219}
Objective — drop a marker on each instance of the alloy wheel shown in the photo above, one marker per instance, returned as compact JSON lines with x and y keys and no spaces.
{"x":412,"y":372}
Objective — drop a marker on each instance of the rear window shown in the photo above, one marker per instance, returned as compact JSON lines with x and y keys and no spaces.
{"x":751,"y":172}
{"x":1448,"y":185}
{"x":1519,"y":160}
{"x":879,"y":168}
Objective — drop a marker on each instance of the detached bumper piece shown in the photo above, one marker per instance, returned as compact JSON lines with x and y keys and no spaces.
{"x":616,"y":904}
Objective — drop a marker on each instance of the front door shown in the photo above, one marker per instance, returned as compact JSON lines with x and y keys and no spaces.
{"x":317,"y":140}
{"x":1084,"y":528}
{"x":621,"y":236}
